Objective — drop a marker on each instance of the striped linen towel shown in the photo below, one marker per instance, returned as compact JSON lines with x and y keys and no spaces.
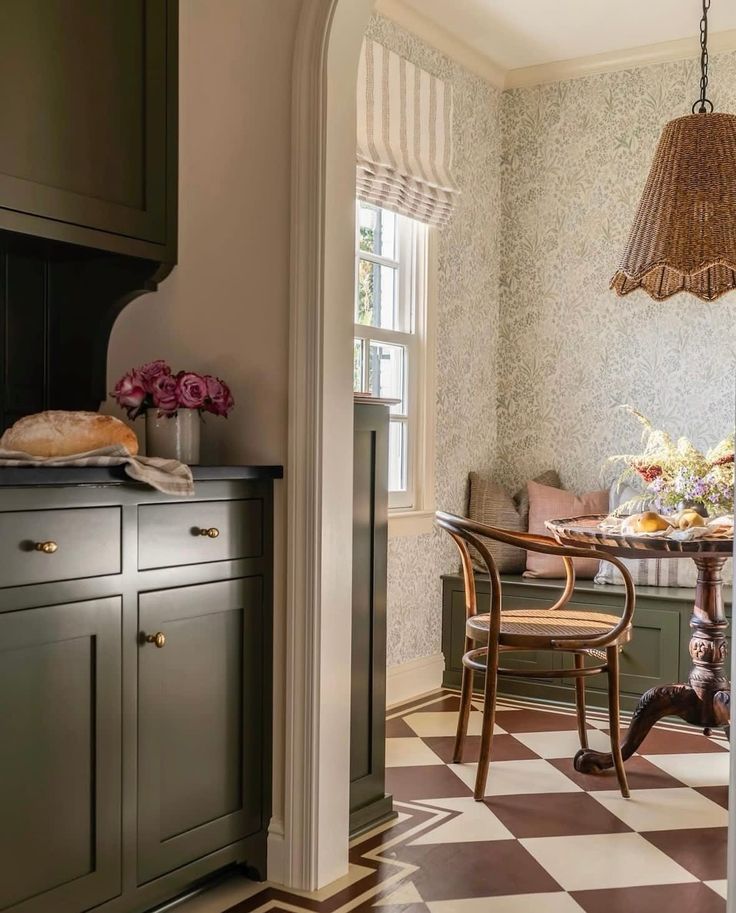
{"x":168,"y":476}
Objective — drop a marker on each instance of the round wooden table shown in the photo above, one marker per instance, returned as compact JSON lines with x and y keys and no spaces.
{"x":705,"y":700}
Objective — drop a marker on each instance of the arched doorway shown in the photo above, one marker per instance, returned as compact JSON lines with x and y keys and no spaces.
{"x":309,"y":832}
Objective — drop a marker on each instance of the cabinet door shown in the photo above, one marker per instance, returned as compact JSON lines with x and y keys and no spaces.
{"x":60,"y":757}
{"x":84,"y":99}
{"x":200,"y":725}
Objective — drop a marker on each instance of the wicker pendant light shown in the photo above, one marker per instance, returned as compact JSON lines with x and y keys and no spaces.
{"x":684,"y":234}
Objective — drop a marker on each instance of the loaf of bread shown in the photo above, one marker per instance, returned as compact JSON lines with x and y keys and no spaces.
{"x":58,"y":434}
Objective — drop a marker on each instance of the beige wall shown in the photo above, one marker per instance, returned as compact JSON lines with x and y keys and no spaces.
{"x":225,"y":307}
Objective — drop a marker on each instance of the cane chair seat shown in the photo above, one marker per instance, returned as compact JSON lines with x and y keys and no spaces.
{"x":534,"y":627}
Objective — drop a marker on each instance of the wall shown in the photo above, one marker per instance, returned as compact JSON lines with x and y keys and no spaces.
{"x":225,"y":307}
{"x":575,"y":158}
{"x":467,"y":328}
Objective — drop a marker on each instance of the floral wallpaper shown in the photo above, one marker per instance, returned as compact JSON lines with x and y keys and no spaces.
{"x":575,"y":156}
{"x":467,"y":330}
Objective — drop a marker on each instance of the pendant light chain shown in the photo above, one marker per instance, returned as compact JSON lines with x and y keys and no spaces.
{"x":703,"y":101}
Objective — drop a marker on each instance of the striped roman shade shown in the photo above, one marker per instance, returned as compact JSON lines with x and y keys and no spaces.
{"x":404,"y":137}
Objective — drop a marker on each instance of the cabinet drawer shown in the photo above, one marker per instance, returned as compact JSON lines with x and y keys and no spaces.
{"x":176,"y":534}
{"x":87,"y":544}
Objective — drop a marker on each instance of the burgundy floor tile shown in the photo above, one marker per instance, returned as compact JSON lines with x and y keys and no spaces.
{"x":701,"y":850}
{"x":717,"y":794}
{"x":452,"y":871}
{"x":397,"y":728}
{"x":505,"y":748}
{"x":667,"y":741}
{"x":450,"y":702}
{"x":555,"y":815}
{"x":677,"y":898}
{"x":535,"y":721}
{"x":433,"y":781}
{"x":641,"y":774}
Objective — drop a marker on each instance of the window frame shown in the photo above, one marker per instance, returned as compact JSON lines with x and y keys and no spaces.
{"x":411,"y":510}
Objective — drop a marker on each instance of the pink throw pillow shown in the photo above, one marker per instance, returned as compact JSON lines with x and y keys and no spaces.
{"x":547,"y":503}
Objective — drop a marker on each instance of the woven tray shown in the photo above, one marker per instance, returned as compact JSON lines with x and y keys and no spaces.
{"x":583,"y":532}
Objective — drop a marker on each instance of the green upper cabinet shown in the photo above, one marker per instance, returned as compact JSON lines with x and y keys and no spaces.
{"x":88,"y":95}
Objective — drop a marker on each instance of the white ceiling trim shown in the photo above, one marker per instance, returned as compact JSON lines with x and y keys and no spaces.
{"x":610,"y":61}
{"x":556,"y":71}
{"x":437,"y":37}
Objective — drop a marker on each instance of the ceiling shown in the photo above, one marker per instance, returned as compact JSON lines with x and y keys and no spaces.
{"x":524,"y":33}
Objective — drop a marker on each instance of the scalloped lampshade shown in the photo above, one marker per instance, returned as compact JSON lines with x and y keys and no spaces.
{"x":684,"y":235}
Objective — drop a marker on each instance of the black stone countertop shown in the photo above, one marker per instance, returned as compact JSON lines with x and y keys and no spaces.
{"x":14,"y":476}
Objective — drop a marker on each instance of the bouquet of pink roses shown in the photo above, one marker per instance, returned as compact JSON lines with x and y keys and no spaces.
{"x":153,"y":386}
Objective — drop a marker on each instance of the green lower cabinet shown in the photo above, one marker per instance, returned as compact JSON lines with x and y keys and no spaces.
{"x":60,"y":745}
{"x":657,"y":653}
{"x":200,"y":722}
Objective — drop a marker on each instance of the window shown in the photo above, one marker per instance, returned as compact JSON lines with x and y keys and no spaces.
{"x":390,"y":348}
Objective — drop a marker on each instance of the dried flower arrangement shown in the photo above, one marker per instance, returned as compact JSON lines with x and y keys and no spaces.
{"x":676,"y":473}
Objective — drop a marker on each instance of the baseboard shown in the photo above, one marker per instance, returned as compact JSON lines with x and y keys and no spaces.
{"x":276,"y":859}
{"x":413,"y":679}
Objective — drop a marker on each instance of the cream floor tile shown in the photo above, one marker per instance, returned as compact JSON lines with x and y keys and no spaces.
{"x":439,"y":723}
{"x":475,"y":822}
{"x":708,"y":769}
{"x":605,"y":861}
{"x":409,"y":753}
{"x":405,"y":894}
{"x":514,"y":778}
{"x":718,"y":886}
{"x":517,"y":903}
{"x":222,"y":897}
{"x":562,"y":744}
{"x":663,"y":809}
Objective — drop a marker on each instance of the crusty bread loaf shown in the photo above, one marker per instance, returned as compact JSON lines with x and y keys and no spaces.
{"x":57,"y":434}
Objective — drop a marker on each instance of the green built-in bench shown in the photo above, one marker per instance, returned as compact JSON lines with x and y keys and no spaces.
{"x":657,"y":654}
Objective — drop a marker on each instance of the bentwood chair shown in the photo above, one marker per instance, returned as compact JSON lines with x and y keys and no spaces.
{"x":557,"y":629}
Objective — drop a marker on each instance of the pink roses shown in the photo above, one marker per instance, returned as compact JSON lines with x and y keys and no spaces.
{"x":153,"y":386}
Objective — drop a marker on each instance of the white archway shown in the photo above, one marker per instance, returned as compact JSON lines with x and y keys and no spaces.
{"x":308,"y":846}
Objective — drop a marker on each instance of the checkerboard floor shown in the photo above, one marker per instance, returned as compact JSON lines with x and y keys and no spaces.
{"x":546,"y":838}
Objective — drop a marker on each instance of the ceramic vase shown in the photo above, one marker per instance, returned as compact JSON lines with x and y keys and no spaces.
{"x":173,"y":437}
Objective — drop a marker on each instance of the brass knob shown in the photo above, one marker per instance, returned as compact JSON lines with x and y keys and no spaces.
{"x":48,"y":548}
{"x":159,"y":639}
{"x":213,"y":532}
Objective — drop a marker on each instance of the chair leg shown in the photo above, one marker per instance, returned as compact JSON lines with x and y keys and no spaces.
{"x":614,"y":718}
{"x":580,"y":700}
{"x":489,"y":715}
{"x":466,"y":694}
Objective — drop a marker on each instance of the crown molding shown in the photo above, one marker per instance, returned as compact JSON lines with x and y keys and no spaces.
{"x":612,"y":61}
{"x":442,"y":40}
{"x":555,"y":71}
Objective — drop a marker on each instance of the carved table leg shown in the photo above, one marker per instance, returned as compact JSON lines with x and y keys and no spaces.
{"x":705,"y":700}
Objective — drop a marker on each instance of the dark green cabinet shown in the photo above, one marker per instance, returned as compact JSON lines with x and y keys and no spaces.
{"x":88,"y":98}
{"x":60,"y":757}
{"x":657,"y":653}
{"x":131,"y":770}
{"x":199,"y":722}
{"x":369,"y":803}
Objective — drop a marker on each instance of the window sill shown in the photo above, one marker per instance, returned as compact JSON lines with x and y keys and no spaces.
{"x":410,"y":523}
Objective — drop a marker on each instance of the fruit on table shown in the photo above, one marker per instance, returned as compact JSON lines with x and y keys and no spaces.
{"x":688,"y":518}
{"x":648,"y":522}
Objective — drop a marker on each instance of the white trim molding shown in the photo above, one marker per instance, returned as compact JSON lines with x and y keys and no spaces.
{"x":314,"y":848}
{"x":439,"y":38}
{"x":410,"y":523}
{"x":482,"y":65}
{"x":414,"y":679}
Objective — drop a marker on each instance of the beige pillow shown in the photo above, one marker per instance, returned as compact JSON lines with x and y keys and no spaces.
{"x":490,"y":504}
{"x":546,"y":503}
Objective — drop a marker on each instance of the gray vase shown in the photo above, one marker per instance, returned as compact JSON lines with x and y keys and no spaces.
{"x":173,"y":437}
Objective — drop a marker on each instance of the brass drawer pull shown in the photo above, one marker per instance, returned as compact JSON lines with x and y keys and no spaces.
{"x":48,"y":548}
{"x":212,"y":533}
{"x":159,"y":638}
